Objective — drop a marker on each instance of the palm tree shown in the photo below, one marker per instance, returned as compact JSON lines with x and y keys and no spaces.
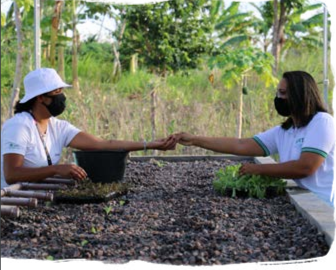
{"x":282,"y":26}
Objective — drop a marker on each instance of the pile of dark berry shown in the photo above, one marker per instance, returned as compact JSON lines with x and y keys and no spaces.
{"x":170,"y":215}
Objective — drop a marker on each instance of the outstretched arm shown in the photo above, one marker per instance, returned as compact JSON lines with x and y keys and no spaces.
{"x":85,"y":141}
{"x":234,"y":146}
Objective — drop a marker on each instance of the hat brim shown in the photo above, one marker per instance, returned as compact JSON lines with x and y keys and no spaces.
{"x":28,"y":97}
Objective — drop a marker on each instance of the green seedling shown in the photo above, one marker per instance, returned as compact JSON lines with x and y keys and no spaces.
{"x":108,"y":209}
{"x":253,"y":185}
{"x":48,"y":204}
{"x":50,"y":258}
{"x":93,"y":230}
{"x":122,"y":202}
{"x":160,"y":163}
{"x":84,"y":242}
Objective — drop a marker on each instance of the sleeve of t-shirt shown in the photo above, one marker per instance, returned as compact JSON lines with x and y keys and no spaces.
{"x":69,"y":131}
{"x":267,"y":141}
{"x":15,"y":139}
{"x":320,"y":137}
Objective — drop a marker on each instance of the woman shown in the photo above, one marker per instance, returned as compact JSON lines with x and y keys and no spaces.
{"x":305,"y":141}
{"x":32,"y":140}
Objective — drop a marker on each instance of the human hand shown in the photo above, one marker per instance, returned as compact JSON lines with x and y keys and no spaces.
{"x":71,"y":171}
{"x":165,"y":144}
{"x":248,"y":168}
{"x":184,"y":138}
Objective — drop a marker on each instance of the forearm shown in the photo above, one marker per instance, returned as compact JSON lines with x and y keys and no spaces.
{"x":85,"y":141}
{"x":287,"y":170}
{"x":234,"y":146}
{"x":118,"y":145}
{"x":24,"y":174}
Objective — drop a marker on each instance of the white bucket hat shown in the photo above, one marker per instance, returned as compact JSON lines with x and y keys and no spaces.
{"x":41,"y":81}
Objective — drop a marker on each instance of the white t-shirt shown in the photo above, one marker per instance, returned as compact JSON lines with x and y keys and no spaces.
{"x":317,"y":137}
{"x":19,"y":135}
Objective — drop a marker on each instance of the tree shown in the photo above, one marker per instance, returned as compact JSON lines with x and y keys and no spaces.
{"x":237,"y":54}
{"x":18,"y":19}
{"x":236,"y":64}
{"x":233,"y":27}
{"x":55,"y":22}
{"x":284,"y":18}
{"x":19,"y":57}
{"x":168,"y":36}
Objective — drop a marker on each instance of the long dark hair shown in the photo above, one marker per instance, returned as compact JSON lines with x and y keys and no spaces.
{"x":303,"y":97}
{"x":24,"y":107}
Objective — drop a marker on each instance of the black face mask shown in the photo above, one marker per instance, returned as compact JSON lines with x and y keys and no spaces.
{"x":281,"y":105}
{"x":57,"y":105}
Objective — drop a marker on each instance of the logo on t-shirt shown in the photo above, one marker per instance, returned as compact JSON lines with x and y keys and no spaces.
{"x":13,"y":146}
{"x":298,"y":143}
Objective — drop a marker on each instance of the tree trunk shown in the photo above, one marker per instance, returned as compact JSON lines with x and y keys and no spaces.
{"x":134,"y":63}
{"x":116,"y":63}
{"x":54,"y":32}
{"x":60,"y":68}
{"x":153,"y":122}
{"x":282,"y":21}
{"x":75,"y":82}
{"x":19,"y":57}
{"x":60,"y":58}
{"x":275,"y":37}
{"x":240,"y":109}
{"x":278,"y":38}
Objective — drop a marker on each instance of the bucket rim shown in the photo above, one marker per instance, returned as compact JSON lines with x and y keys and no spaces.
{"x":101,"y":151}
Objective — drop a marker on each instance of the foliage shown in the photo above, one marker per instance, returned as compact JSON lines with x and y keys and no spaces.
{"x":108,"y":209}
{"x":3,"y":19}
{"x":100,"y":51}
{"x":169,"y":36}
{"x":254,"y":185}
{"x":237,"y":62}
{"x":233,"y":27}
{"x":135,"y":83}
{"x":299,"y":30}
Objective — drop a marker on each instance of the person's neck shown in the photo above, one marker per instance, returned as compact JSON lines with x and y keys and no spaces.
{"x":41,"y":120}
{"x":295,"y":122}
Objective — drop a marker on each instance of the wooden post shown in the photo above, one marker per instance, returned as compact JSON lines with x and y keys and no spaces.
{"x":153,"y":107}
{"x":11,"y":211}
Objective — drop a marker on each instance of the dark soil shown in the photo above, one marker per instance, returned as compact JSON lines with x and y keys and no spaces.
{"x":171,"y":215}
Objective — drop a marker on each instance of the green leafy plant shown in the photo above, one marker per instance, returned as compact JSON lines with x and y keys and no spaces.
{"x":84,"y":242}
{"x":50,"y":258}
{"x":107,"y":209}
{"x":93,"y":230}
{"x":159,"y":163}
{"x":229,"y":180}
{"x":122,"y":202}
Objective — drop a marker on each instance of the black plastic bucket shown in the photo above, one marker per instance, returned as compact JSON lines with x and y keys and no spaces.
{"x":102,"y":166}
